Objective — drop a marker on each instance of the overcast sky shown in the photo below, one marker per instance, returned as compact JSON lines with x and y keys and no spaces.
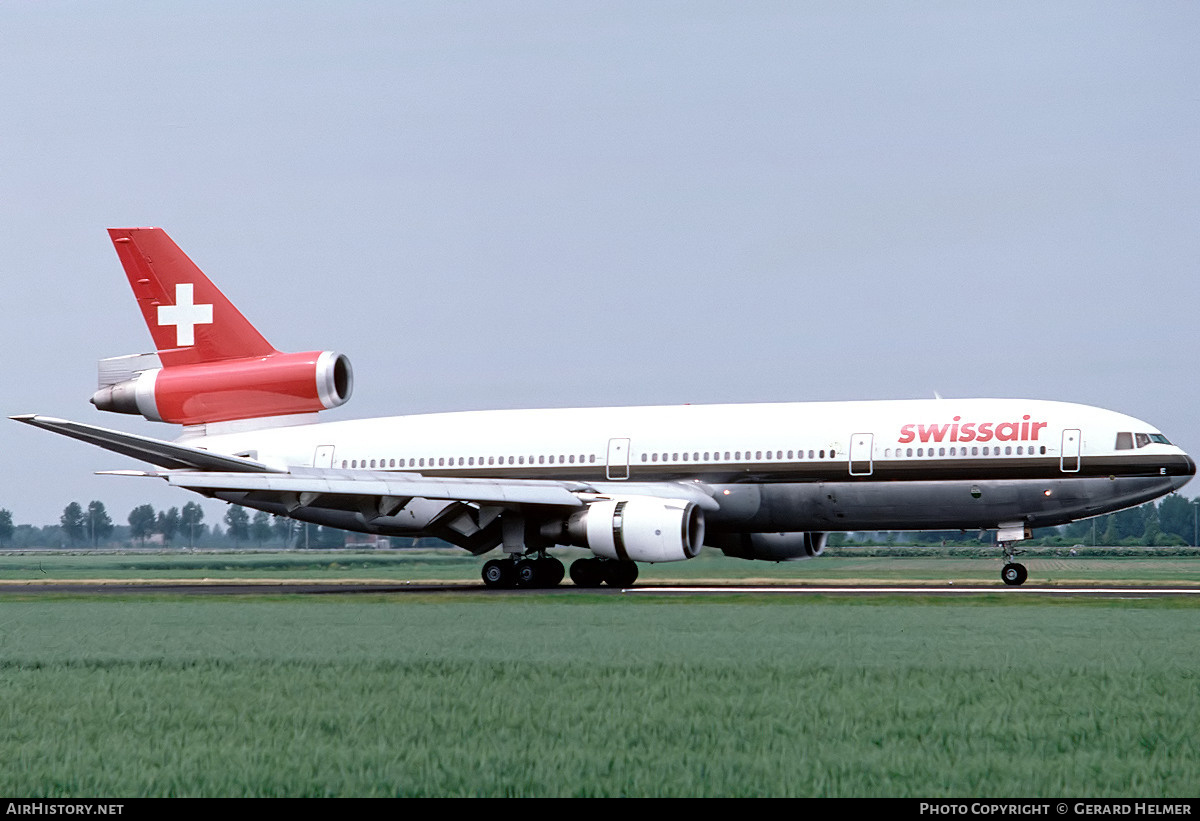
{"x":521,"y":204}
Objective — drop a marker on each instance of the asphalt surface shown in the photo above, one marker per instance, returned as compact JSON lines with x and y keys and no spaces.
{"x":260,"y":588}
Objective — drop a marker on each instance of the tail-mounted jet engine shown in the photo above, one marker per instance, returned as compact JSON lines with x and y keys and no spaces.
{"x":639,"y":529}
{"x":770,"y":547}
{"x":246,"y":388}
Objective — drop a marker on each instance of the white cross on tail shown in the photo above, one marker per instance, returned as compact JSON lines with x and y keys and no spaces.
{"x":185,"y":315}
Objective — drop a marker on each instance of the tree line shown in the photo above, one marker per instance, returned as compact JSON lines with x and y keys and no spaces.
{"x":1174,"y":520}
{"x":92,"y":526}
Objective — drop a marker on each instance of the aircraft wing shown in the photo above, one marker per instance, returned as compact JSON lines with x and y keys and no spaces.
{"x":462,"y":511}
{"x":377,"y":484}
{"x":170,"y":455}
{"x":383,"y":485}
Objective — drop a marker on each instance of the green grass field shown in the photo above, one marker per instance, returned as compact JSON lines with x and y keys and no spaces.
{"x":477,"y":694}
{"x":453,"y":565}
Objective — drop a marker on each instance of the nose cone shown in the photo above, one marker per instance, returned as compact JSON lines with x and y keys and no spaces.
{"x":1184,"y":473}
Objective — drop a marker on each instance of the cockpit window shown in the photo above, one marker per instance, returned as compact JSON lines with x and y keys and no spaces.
{"x":1127,"y":441}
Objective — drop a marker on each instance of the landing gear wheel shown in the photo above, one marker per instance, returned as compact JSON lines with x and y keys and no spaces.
{"x":499,"y":574}
{"x":529,"y":573}
{"x":1014,"y":574}
{"x":587,"y":573}
{"x":620,"y":573}
{"x":552,"y":571}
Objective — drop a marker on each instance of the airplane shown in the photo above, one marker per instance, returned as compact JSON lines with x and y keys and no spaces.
{"x":655,"y":484}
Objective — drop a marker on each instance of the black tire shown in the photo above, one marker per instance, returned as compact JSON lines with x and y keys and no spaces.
{"x":1014,"y":574}
{"x":552,"y":571}
{"x":620,"y":574}
{"x":498,"y":574}
{"x":529,"y":573}
{"x":586,"y":573}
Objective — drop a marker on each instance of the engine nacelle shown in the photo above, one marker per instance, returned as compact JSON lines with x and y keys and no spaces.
{"x":770,"y":547}
{"x":641,"y":529}
{"x":275,"y":385}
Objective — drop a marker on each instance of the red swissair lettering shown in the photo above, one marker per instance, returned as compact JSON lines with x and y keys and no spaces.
{"x":1023,"y":431}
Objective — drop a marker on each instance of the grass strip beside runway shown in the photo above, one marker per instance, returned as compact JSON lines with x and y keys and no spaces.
{"x":598,"y":695}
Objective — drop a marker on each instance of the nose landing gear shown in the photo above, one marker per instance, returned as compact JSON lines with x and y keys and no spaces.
{"x":1012,"y":574}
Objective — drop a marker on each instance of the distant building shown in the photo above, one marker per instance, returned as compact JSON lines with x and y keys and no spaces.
{"x":367,"y":541}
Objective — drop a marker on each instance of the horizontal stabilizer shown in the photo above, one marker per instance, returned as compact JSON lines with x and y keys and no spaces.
{"x":155,"y":451}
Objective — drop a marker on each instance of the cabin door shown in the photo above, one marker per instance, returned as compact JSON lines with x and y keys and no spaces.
{"x":862,"y":450}
{"x":1069,"y":462}
{"x":618,"y":458}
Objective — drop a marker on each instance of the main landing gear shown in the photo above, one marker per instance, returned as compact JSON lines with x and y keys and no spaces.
{"x":595,"y":572}
{"x":530,"y":571}
{"x":545,"y":571}
{"x":1012,"y":574}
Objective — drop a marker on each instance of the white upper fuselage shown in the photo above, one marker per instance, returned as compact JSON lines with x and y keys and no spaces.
{"x":771,"y":442}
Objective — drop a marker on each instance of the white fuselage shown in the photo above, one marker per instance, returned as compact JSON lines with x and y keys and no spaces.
{"x":819,"y":465}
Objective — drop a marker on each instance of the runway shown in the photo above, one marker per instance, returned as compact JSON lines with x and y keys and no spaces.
{"x":250,"y":587}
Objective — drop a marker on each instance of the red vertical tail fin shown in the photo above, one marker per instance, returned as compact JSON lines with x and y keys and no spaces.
{"x":216,"y":367}
{"x":189,"y":318}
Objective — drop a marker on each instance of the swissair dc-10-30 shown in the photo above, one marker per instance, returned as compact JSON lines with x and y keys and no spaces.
{"x":630,"y":484}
